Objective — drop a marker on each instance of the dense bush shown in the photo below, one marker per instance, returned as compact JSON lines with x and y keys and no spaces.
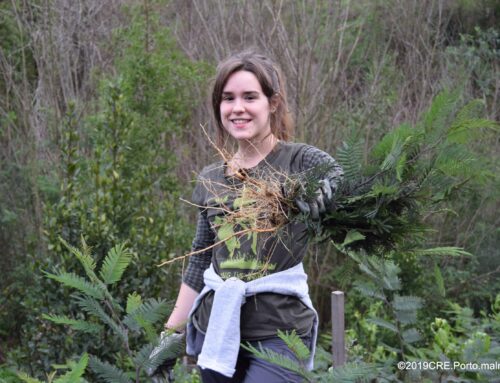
{"x":116,"y":183}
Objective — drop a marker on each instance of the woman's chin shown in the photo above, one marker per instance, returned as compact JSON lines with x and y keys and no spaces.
{"x":242,"y":136}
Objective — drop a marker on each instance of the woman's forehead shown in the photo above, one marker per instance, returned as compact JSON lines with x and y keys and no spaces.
{"x":242,"y":81}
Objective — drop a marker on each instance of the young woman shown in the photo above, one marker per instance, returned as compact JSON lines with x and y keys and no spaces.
{"x":248,"y":293}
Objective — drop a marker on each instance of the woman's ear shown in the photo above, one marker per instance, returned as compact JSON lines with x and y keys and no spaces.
{"x":274,"y":102}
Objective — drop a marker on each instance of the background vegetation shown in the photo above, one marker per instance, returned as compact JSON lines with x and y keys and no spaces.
{"x":100,"y":112}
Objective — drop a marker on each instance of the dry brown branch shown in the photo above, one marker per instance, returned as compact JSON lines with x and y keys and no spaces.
{"x":237,"y":234}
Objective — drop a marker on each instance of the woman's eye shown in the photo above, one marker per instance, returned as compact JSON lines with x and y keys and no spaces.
{"x":250,"y":97}
{"x":227,"y":98}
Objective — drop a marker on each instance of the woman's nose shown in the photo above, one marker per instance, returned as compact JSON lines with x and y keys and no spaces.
{"x":238,"y":106}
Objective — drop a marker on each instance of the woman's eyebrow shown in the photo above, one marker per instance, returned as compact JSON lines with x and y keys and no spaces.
{"x":247,"y":92}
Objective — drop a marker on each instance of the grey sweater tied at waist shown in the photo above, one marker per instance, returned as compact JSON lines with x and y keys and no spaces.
{"x":222,"y":339}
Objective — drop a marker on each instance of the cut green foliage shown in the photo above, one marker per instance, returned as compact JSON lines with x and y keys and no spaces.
{"x":412,"y":171}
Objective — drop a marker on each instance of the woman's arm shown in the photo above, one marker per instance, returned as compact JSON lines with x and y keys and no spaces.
{"x":183,"y":304}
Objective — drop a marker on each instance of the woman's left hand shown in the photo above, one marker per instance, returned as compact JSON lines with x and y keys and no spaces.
{"x":318,"y":205}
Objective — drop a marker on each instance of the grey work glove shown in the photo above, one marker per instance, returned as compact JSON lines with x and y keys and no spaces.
{"x":318,"y":205}
{"x":161,"y":361}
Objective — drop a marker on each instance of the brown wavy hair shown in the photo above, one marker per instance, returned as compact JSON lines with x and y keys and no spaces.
{"x":273,"y":85}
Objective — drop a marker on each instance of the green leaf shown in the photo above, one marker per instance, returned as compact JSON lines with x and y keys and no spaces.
{"x":76,"y":372}
{"x":392,"y":158}
{"x":278,"y":359}
{"x":80,"y":325}
{"x":406,"y":307}
{"x":400,"y":167}
{"x":407,"y":303}
{"x":242,"y":201}
{"x":295,"y":344}
{"x":168,"y":347}
{"x":134,"y":300}
{"x":28,"y":379}
{"x":437,"y":116}
{"x":77,"y":282}
{"x":108,"y":372}
{"x":221,"y":200}
{"x":369,"y":289}
{"x":84,"y":258}
{"x":352,"y":236}
{"x":439,"y":281}
{"x":115,"y":263}
{"x":380,"y":189}
{"x":149,"y":312}
{"x":352,"y":372}
{"x":383,"y":323}
{"x":404,"y":132}
{"x":141,"y":358}
{"x":442,"y":251}
{"x":411,"y":335}
{"x":93,"y":307}
{"x":350,"y":157}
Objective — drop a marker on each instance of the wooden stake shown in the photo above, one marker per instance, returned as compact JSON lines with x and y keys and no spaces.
{"x":338,"y":338}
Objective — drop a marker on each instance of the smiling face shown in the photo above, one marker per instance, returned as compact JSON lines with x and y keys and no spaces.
{"x":244,"y":108}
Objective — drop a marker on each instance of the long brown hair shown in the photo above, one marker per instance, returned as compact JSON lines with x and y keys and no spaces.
{"x":273,"y":86}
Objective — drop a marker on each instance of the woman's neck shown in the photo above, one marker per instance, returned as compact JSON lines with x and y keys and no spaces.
{"x":249,"y":153}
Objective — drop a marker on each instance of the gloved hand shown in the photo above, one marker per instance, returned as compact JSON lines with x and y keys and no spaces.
{"x":162,"y":368}
{"x":318,"y":205}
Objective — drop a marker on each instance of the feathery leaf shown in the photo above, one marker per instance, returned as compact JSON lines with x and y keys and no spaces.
{"x":441,"y":251}
{"x":93,"y":307}
{"x":76,"y":372}
{"x":369,"y":289}
{"x":351,"y":373}
{"x":411,"y":335}
{"x":77,"y":282}
{"x":383,"y":323}
{"x":295,"y":344}
{"x":149,"y":312}
{"x":278,"y":359}
{"x":108,"y":372}
{"x":28,"y":379}
{"x":350,"y":157}
{"x":169,"y":346}
{"x":115,"y":263}
{"x":134,"y":300}
{"x":80,"y":325}
{"x":84,"y":257}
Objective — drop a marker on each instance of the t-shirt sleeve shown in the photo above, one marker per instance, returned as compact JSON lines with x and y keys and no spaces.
{"x":312,"y":157}
{"x":204,"y":237}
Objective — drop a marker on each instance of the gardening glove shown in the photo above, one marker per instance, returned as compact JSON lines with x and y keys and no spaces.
{"x":319,"y":204}
{"x":164,"y":372}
